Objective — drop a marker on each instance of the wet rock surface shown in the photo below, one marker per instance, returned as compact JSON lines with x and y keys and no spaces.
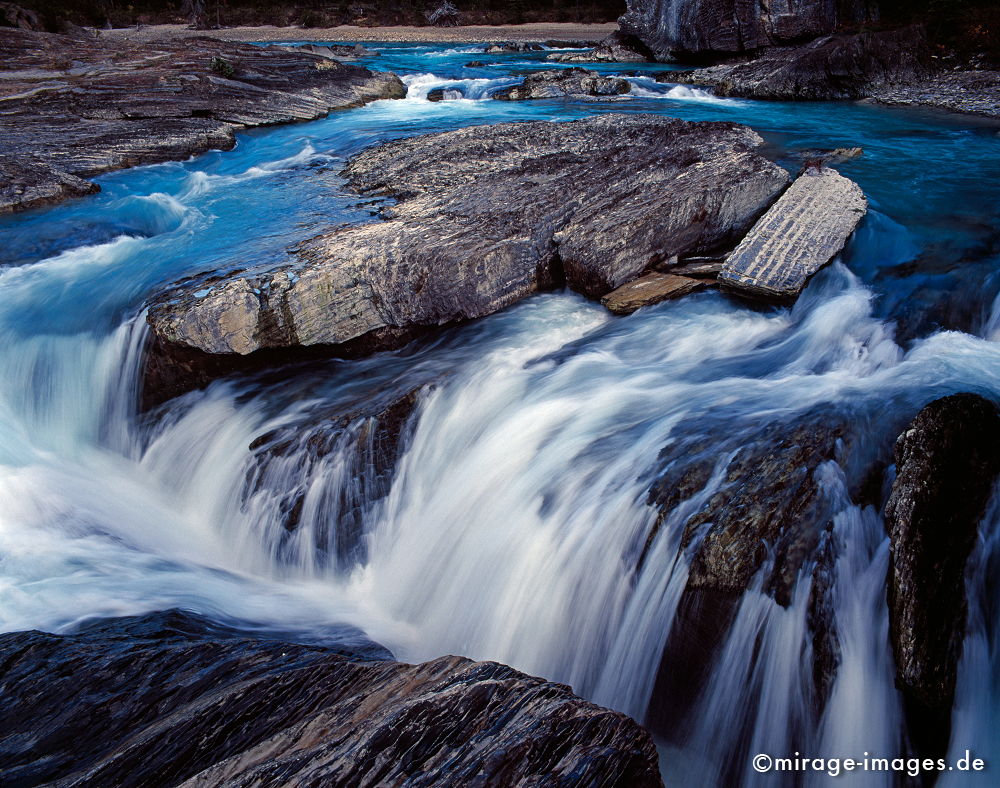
{"x":564,"y":83}
{"x":172,"y":699}
{"x":803,"y":231}
{"x":678,"y":28}
{"x":832,"y":67}
{"x":483,"y":217}
{"x":73,"y":108}
{"x":650,"y":289}
{"x":616,"y":48}
{"x":968,"y":92}
{"x":947,"y":462}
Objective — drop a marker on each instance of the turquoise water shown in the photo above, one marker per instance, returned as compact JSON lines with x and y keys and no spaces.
{"x":514,"y":521}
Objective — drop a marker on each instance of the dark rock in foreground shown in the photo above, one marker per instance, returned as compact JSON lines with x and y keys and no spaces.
{"x":170,"y":698}
{"x":564,"y":83}
{"x":947,"y":463}
{"x":803,"y":231}
{"x":74,"y":108}
{"x":678,"y":28}
{"x":484,"y":217}
{"x":833,"y":67}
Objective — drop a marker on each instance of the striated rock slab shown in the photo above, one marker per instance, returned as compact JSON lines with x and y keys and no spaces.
{"x":833,"y":67}
{"x":947,"y":462}
{"x":564,"y":83}
{"x":650,"y":289}
{"x":678,"y":28}
{"x":172,"y":699}
{"x":72,"y":108}
{"x":967,"y":92}
{"x":483,"y":217}
{"x":803,"y":231}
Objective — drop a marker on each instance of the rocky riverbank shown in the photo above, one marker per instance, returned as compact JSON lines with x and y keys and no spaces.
{"x":74,"y":107}
{"x":171,"y":698}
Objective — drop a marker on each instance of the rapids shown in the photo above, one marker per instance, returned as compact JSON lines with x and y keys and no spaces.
{"x":516,"y":516}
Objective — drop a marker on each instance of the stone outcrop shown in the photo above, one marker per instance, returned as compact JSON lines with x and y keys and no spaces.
{"x":483,"y":217}
{"x":650,"y":289}
{"x":173,"y":699}
{"x":675,"y":29}
{"x":832,"y":67}
{"x":333,"y":51}
{"x":947,"y":462}
{"x":616,"y":48}
{"x":71,"y":108}
{"x":968,"y":92}
{"x":564,"y":83}
{"x":506,"y":47}
{"x":803,"y":231}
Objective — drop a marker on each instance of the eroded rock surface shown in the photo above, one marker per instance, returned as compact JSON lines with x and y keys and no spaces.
{"x":484,"y":217}
{"x":172,"y":699}
{"x":564,"y":83}
{"x":947,"y":462}
{"x":650,"y":289}
{"x":74,"y":108}
{"x":803,"y":231}
{"x":832,"y":67}
{"x":679,"y":28}
{"x":616,"y":48}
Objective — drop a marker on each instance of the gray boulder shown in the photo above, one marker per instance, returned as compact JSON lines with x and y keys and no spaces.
{"x":947,"y":462}
{"x":677,"y":28}
{"x":833,"y":67}
{"x":564,"y":83}
{"x":484,"y":217}
{"x":803,"y":231}
{"x":616,"y":48}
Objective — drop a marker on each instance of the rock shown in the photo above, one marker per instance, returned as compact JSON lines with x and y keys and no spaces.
{"x":616,"y":48}
{"x":298,"y":465}
{"x":803,"y":231}
{"x":650,"y":289}
{"x":564,"y":83}
{"x":814,"y":158}
{"x":503,"y":47}
{"x":675,"y":29}
{"x":697,"y":267}
{"x":333,"y":51}
{"x":12,"y":15}
{"x":171,"y":698}
{"x":75,"y":108}
{"x":968,"y":92}
{"x":559,"y":44}
{"x":832,"y":67}
{"x":475,"y":64}
{"x":484,"y":217}
{"x":947,"y":462}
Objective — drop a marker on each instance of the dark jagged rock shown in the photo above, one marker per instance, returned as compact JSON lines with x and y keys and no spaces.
{"x":833,"y":67}
{"x":675,"y":29}
{"x":564,"y":83}
{"x":169,"y":698}
{"x":512,"y":46}
{"x":616,"y":48}
{"x":947,"y":463}
{"x":968,"y":92}
{"x":803,"y":231}
{"x":483,"y":217}
{"x":650,"y":289}
{"x":73,"y":108}
{"x":360,"y":440}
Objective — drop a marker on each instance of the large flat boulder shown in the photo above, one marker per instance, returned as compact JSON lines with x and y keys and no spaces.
{"x":947,"y":461}
{"x":803,"y":231}
{"x":482,"y":218}
{"x":72,"y":108}
{"x":173,"y":699}
{"x":650,"y":289}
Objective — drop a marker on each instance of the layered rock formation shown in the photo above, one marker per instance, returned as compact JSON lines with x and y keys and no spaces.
{"x":75,"y":108}
{"x":172,"y":699}
{"x":680,"y":28}
{"x":483,"y":217}
{"x":564,"y":83}
{"x":616,"y":48}
{"x":650,"y":289}
{"x":803,"y":231}
{"x":947,"y":462}
{"x":832,"y":67}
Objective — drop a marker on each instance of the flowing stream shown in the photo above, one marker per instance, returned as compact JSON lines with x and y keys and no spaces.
{"x":514,"y":520}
